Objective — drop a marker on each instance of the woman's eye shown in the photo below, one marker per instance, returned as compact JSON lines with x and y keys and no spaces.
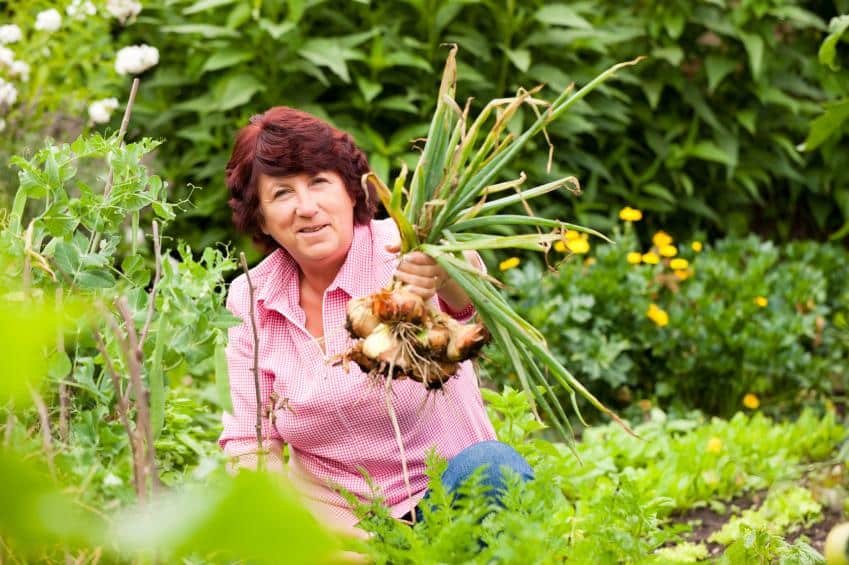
{"x":319,"y":180}
{"x":281,"y":192}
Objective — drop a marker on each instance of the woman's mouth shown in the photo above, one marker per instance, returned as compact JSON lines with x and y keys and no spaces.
{"x":312,"y":229}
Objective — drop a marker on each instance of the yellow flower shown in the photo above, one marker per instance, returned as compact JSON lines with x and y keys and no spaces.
{"x":669,"y":251}
{"x":635,"y":257}
{"x":589,"y":261}
{"x":661,"y":239}
{"x":761,"y":301}
{"x":651,"y":258}
{"x":629,"y":214}
{"x":579,"y":246}
{"x":714,"y":445}
{"x":684,"y":274}
{"x":560,"y":246}
{"x":571,"y":234}
{"x":657,"y":315}
{"x":508,"y":264}
{"x":751,"y":401}
{"x":679,"y":264}
{"x":697,"y":246}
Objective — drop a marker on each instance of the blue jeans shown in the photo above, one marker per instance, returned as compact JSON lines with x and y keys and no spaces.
{"x":492,"y":455}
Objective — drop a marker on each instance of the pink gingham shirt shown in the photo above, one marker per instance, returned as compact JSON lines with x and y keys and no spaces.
{"x":337,"y":423}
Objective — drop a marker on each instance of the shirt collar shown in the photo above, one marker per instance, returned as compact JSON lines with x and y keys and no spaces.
{"x":357,"y":265}
{"x":281,"y":289}
{"x":281,"y":279}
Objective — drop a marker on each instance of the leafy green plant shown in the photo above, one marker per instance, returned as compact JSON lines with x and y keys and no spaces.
{"x":828,"y":127}
{"x":760,"y":546}
{"x":784,"y":510}
{"x":704,"y":136}
{"x":117,"y":373}
{"x":742,"y":316}
{"x":59,"y":60}
{"x":616,"y":503}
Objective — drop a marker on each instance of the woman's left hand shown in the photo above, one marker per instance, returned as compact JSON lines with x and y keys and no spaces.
{"x":420,"y":272}
{"x":423,"y":275}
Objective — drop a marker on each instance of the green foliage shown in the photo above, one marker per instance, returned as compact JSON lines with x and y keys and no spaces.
{"x":208,"y":519}
{"x":73,"y":233}
{"x":709,"y":128}
{"x":24,"y":333}
{"x":759,"y":546}
{"x":36,"y":513}
{"x":786,"y":508}
{"x":749,"y":317}
{"x":615,"y":504}
{"x":69,"y":69}
{"x":836,"y":113}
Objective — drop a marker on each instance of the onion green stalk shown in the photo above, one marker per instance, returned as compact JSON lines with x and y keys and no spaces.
{"x":452,"y":205}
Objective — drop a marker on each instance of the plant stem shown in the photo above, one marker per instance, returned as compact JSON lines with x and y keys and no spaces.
{"x":64,"y":393}
{"x":27,"y":274}
{"x":142,"y":408}
{"x":10,"y":426}
{"x":260,"y":458}
{"x":46,"y":435}
{"x":125,"y":121}
{"x":123,"y":415}
{"x":151,"y":304}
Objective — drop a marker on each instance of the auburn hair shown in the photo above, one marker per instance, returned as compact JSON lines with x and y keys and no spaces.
{"x":283,"y":141}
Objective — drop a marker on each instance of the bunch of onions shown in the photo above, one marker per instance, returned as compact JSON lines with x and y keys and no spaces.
{"x":402,"y":337}
{"x":451,"y":205}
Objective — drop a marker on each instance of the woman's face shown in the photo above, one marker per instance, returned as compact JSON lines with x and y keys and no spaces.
{"x":310,"y":215}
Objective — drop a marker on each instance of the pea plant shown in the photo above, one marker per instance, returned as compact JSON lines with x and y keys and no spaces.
{"x":112,"y":315}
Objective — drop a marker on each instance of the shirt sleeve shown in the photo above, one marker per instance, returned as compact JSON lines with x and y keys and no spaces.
{"x":238,"y":439}
{"x":466,"y":313}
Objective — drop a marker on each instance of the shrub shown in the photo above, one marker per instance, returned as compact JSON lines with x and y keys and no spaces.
{"x":749,"y":316}
{"x":707,"y":128}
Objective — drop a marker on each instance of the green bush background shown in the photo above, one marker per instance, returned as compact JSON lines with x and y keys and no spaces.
{"x":703,"y":134}
{"x":719,"y":344}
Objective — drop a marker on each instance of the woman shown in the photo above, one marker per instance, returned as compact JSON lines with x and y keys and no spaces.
{"x":295,"y":188}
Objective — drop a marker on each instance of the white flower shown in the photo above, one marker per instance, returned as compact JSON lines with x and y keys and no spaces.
{"x":8,"y":93}
{"x":48,"y":20}
{"x":20,"y":69}
{"x":7,"y":56}
{"x":10,"y":33}
{"x":123,"y":9}
{"x":136,"y":59}
{"x":79,"y":9}
{"x":101,"y":110}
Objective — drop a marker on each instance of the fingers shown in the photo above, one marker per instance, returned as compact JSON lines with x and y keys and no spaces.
{"x":421,"y":273}
{"x":424,"y":286}
{"x":419,"y":264}
{"x":392,"y":247}
{"x":419,"y":258}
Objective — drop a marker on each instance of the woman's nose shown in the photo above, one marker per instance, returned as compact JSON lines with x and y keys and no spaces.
{"x":306,"y":205}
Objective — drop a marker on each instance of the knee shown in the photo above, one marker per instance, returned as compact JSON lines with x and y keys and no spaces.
{"x":494,"y":456}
